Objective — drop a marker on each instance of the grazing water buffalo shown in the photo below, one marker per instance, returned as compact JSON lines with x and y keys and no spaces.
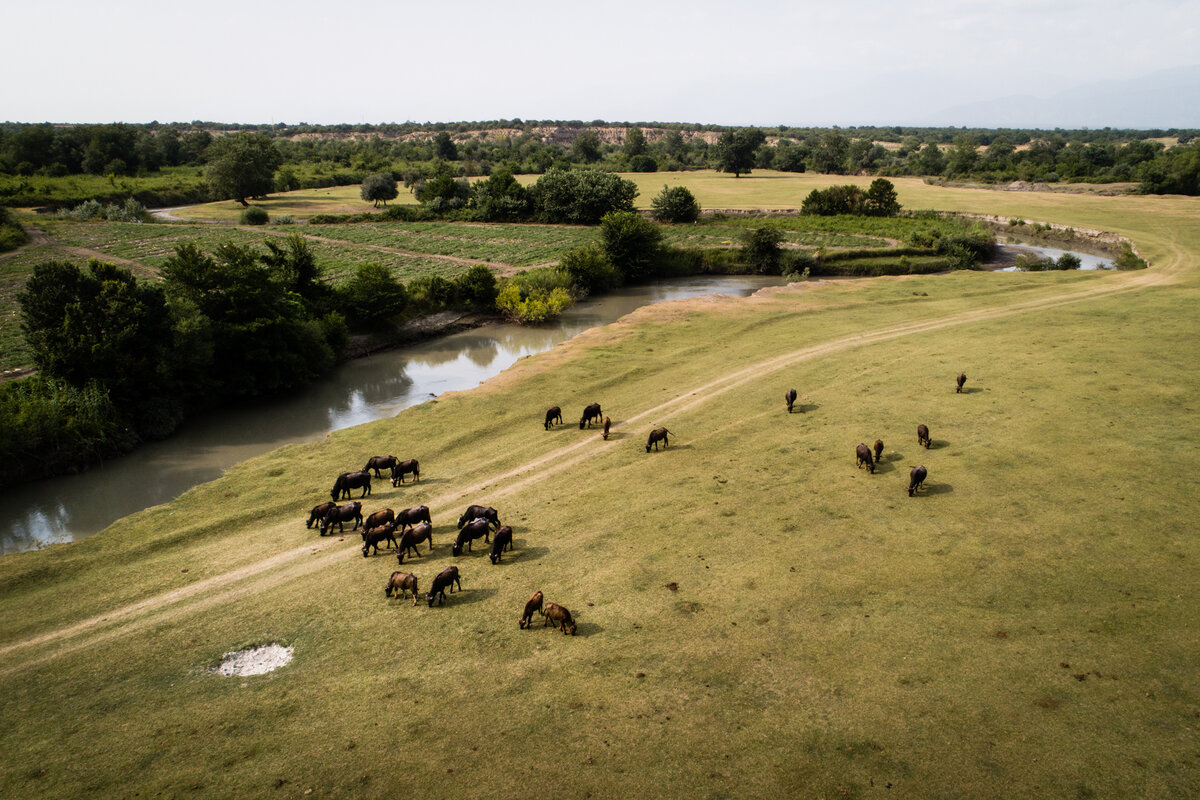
{"x":533,"y":604}
{"x":878,"y":449}
{"x":863,"y":454}
{"x":447,"y":578}
{"x":960,"y":380}
{"x":590,"y":413}
{"x":916,"y":479}
{"x":791,"y":399}
{"x":400,"y":582}
{"x":473,"y":530}
{"x":552,"y":415}
{"x":351,"y":480}
{"x":554,"y":613}
{"x":500,"y":542}
{"x":403,"y":468}
{"x":380,"y":518}
{"x":411,"y":516}
{"x":479,"y":512}
{"x":384,"y":533}
{"x":340,"y":514}
{"x":413,"y":537}
{"x":657,"y":435}
{"x":318,"y":513}
{"x":923,"y":436}
{"x":380,"y":462}
{"x":607,"y":423}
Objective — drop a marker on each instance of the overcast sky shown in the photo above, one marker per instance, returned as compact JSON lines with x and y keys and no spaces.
{"x":754,"y":62}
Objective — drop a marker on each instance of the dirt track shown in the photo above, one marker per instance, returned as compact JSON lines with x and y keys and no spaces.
{"x":288,"y":565}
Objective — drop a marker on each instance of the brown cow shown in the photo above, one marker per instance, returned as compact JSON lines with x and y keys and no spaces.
{"x":791,"y":398}
{"x":351,"y":480}
{"x":863,"y":454}
{"x":380,"y":518}
{"x":552,"y":415}
{"x":554,"y":613}
{"x":962,"y":378}
{"x":878,"y":449}
{"x":916,"y":479}
{"x":657,"y":435}
{"x":592,"y":412}
{"x":413,"y":537}
{"x":447,"y":578}
{"x":923,"y":436}
{"x":607,"y":423}
{"x":339,"y":514}
{"x":380,"y":462}
{"x":533,"y":604}
{"x":318,"y":513}
{"x":400,"y":582}
{"x":500,"y":542}
{"x":373,"y":536}
{"x":411,"y":516}
{"x":403,"y":468}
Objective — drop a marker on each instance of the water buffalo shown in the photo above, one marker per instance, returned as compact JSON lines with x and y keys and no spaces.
{"x":863,"y":454}
{"x":380,"y":518}
{"x":478,"y":512}
{"x":790,"y":397}
{"x":590,"y":413}
{"x":500,"y":542}
{"x":552,"y":415}
{"x":413,"y":537}
{"x":380,"y":462}
{"x":474,"y":529}
{"x":657,"y":435}
{"x":533,"y":604}
{"x":923,"y":436}
{"x":371,"y":538}
{"x":411,"y":516}
{"x":447,"y":578}
{"x":878,"y":449}
{"x":339,"y":514}
{"x":916,"y":479}
{"x":403,"y":468}
{"x":351,"y":480}
{"x":400,"y":582}
{"x":607,"y":424}
{"x":318,"y":513}
{"x":960,"y":380}
{"x":554,"y":613}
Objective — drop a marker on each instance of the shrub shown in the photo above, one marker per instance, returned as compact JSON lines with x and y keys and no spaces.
{"x":1068,"y":261}
{"x":476,"y":288}
{"x":373,"y":296}
{"x":643,"y":163}
{"x":1127,"y":259}
{"x":431,"y":293}
{"x":675,"y":204}
{"x":589,"y":269}
{"x":581,"y":196}
{"x":631,"y":242}
{"x":12,"y":235}
{"x":537,"y":306}
{"x":255,"y":216}
{"x":760,"y":249}
{"x":835,"y":200}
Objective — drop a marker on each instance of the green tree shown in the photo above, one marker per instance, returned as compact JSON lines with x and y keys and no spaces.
{"x":829,"y":154}
{"x":736,"y":149}
{"x":500,"y":197}
{"x":581,"y":197}
{"x":444,"y":147}
{"x":635,"y":142}
{"x":930,"y":161}
{"x":586,"y":147}
{"x":882,"y":199}
{"x":373,"y":296}
{"x":962,"y":156}
{"x":242,"y":165}
{"x":675,"y":204}
{"x":477,"y":288}
{"x":761,"y":249}
{"x":632,"y":243}
{"x":379,"y":187}
{"x":589,"y":269}
{"x":443,"y":191}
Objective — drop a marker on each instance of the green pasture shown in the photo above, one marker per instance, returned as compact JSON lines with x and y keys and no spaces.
{"x":757,"y":617}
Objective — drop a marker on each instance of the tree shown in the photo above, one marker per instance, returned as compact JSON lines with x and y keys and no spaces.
{"x":581,"y":197}
{"x":675,"y":204}
{"x":735,"y":150}
{"x":443,"y":191}
{"x":962,"y":155}
{"x":589,"y":269}
{"x":930,"y":161}
{"x":444,"y":147}
{"x":635,"y":142}
{"x":846,"y":199}
{"x":500,"y":197}
{"x":242,"y":165}
{"x":760,"y":248}
{"x":373,"y":295}
{"x":586,"y":147}
{"x":882,"y":199}
{"x":829,"y":154}
{"x":379,"y":187}
{"x":632,"y":243}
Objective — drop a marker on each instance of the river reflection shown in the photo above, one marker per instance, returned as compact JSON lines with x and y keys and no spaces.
{"x":74,"y":506}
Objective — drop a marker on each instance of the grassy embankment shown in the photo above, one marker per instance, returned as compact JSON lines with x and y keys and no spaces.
{"x":757,"y":618}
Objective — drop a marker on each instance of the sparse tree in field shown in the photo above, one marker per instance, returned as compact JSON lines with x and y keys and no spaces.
{"x":379,"y":187}
{"x":635,"y":142}
{"x":675,"y":204}
{"x":242,"y":165}
{"x":882,"y":199}
{"x":736,"y":149}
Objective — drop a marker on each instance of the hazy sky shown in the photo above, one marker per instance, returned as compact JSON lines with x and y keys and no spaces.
{"x":754,"y":62}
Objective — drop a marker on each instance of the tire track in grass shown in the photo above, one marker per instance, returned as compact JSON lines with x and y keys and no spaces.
{"x":289,"y":564}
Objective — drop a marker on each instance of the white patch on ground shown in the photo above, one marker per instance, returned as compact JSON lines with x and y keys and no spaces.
{"x":255,"y":661}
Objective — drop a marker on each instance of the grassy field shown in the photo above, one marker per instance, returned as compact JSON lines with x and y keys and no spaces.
{"x":757,"y":618}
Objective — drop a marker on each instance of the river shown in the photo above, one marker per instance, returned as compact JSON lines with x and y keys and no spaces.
{"x":72,"y":507}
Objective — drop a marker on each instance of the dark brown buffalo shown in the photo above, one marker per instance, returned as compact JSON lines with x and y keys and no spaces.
{"x":923,"y":436}
{"x":657,"y":435}
{"x":960,"y":380}
{"x":554,"y":613}
{"x":480,"y":512}
{"x":400,"y":582}
{"x":533,"y":604}
{"x":500,"y":542}
{"x":878,"y":449}
{"x":351,"y":480}
{"x":411,"y":516}
{"x":473,"y":530}
{"x":607,"y":424}
{"x":916,"y":479}
{"x":380,"y":462}
{"x":552,"y":415}
{"x":403,"y":468}
{"x":791,"y":399}
{"x":590,"y":413}
{"x":413,"y":537}
{"x":380,"y":518}
{"x":863,"y":454}
{"x":318,"y":513}
{"x":339,"y":514}
{"x":447,"y":578}
{"x":372,"y":537}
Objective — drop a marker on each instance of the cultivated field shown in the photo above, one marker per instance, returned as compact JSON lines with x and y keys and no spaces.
{"x":757,"y":618}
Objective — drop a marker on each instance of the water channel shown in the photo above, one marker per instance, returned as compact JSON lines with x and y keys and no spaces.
{"x":72,"y":507}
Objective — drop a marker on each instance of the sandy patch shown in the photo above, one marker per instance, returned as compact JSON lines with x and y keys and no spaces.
{"x":255,"y":661}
